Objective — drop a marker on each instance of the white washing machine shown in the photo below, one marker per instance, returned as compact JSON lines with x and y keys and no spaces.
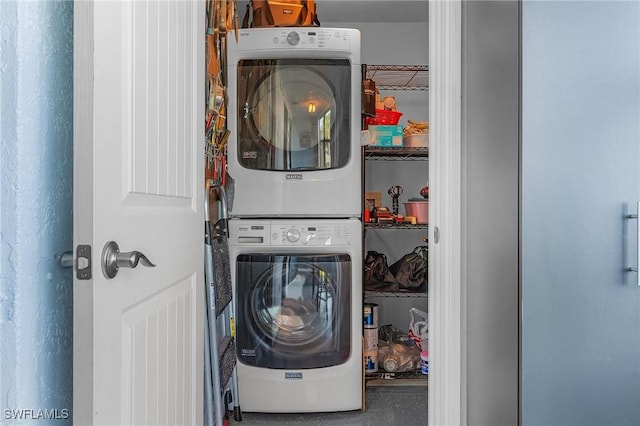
{"x":294,"y":116}
{"x":298,"y":295}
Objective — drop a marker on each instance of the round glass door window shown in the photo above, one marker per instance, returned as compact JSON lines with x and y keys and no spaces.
{"x":293,"y":114}
{"x":294,"y":309}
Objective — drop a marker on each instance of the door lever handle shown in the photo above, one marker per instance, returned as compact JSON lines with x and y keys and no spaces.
{"x":130,"y":259}
{"x":113,"y":260}
{"x":636,"y":268}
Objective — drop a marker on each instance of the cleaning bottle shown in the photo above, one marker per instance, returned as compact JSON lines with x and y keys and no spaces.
{"x":424,"y":356}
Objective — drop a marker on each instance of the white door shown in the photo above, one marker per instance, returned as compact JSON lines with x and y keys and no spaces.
{"x":139,"y":181}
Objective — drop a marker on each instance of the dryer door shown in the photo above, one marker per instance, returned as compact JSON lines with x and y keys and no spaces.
{"x":293,"y":114}
{"x":293,"y":310}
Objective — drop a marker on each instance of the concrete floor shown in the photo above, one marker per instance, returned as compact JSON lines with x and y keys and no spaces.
{"x":386,"y":406}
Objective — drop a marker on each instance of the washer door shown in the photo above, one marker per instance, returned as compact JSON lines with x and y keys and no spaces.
{"x":293,"y":310}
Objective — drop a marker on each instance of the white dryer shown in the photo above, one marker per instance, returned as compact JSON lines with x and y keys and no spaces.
{"x":294,"y":116}
{"x":298,"y":295}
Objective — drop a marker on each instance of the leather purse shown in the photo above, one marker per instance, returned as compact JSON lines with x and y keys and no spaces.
{"x":410,"y":271}
{"x":377,"y":275}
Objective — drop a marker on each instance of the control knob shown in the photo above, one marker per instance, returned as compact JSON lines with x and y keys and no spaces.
{"x":293,"y":235}
{"x":293,"y":38}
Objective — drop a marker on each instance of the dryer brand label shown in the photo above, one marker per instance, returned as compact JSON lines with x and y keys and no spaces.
{"x":294,"y":176}
{"x":290,"y":375}
{"x":250,"y":155}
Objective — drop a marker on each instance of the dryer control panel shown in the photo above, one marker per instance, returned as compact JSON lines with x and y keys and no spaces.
{"x":334,"y":39}
{"x":266,"y":233}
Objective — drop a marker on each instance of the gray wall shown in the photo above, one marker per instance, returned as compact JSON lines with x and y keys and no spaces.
{"x":380,"y":41}
{"x":490,"y":156}
{"x":36,"y":178}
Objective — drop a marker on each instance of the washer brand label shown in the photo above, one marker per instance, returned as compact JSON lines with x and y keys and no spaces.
{"x":249,"y":155}
{"x":292,"y":376}
{"x":248,"y":352}
{"x":294,"y":176}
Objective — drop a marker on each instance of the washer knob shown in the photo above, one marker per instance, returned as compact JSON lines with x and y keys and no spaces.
{"x":293,"y":235}
{"x":293,"y":38}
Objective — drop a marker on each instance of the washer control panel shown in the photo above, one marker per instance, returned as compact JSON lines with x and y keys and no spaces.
{"x":266,"y":233}
{"x":293,"y":38}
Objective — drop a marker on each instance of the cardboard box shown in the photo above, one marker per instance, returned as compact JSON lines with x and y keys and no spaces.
{"x":385,"y":135}
{"x":368,"y":98}
{"x":372,"y":199}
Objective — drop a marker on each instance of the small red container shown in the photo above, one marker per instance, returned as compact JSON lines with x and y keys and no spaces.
{"x":384,"y":117}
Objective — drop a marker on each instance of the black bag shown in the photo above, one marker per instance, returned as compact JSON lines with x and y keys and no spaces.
{"x":281,"y":13}
{"x":410,"y":272}
{"x":377,"y":275}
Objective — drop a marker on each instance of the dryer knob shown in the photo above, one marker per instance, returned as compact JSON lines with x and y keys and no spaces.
{"x":293,"y":235}
{"x":293,"y":38}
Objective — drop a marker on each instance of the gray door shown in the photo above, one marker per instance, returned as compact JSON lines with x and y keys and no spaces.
{"x":580,"y":176}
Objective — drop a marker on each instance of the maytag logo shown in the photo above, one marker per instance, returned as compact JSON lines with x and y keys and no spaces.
{"x":294,"y":176}
{"x":292,"y":376}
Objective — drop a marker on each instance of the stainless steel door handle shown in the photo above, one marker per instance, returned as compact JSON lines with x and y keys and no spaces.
{"x":632,"y":268}
{"x":113,"y":260}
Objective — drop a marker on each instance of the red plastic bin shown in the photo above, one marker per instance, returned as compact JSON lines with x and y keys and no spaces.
{"x":384,"y":117}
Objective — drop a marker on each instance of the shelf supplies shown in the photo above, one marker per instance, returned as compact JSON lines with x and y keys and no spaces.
{"x":410,"y":271}
{"x":419,"y":328}
{"x":376,"y":273}
{"x":398,"y":357}
{"x":385,"y":135}
{"x":397,"y":353}
{"x":416,"y":128}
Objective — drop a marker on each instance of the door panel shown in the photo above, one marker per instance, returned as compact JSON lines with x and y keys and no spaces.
{"x":139,"y":174}
{"x":161,"y":91}
{"x":161,"y":325}
{"x":580,"y":158}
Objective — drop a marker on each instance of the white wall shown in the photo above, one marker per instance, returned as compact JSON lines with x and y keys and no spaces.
{"x":36,"y":117}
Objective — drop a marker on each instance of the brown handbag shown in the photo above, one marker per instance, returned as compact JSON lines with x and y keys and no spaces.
{"x":410,"y":272}
{"x":281,"y":13}
{"x":377,"y":275}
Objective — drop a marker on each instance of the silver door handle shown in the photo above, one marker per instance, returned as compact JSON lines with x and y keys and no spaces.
{"x":113,"y":260}
{"x":635,"y":216}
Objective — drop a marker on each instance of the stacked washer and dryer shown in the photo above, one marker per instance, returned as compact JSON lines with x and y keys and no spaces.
{"x":295,"y":235}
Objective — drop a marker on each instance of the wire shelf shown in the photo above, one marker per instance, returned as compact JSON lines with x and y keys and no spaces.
{"x":399,"y":77}
{"x":397,"y":294}
{"x":374,"y":226}
{"x":396,"y":153}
